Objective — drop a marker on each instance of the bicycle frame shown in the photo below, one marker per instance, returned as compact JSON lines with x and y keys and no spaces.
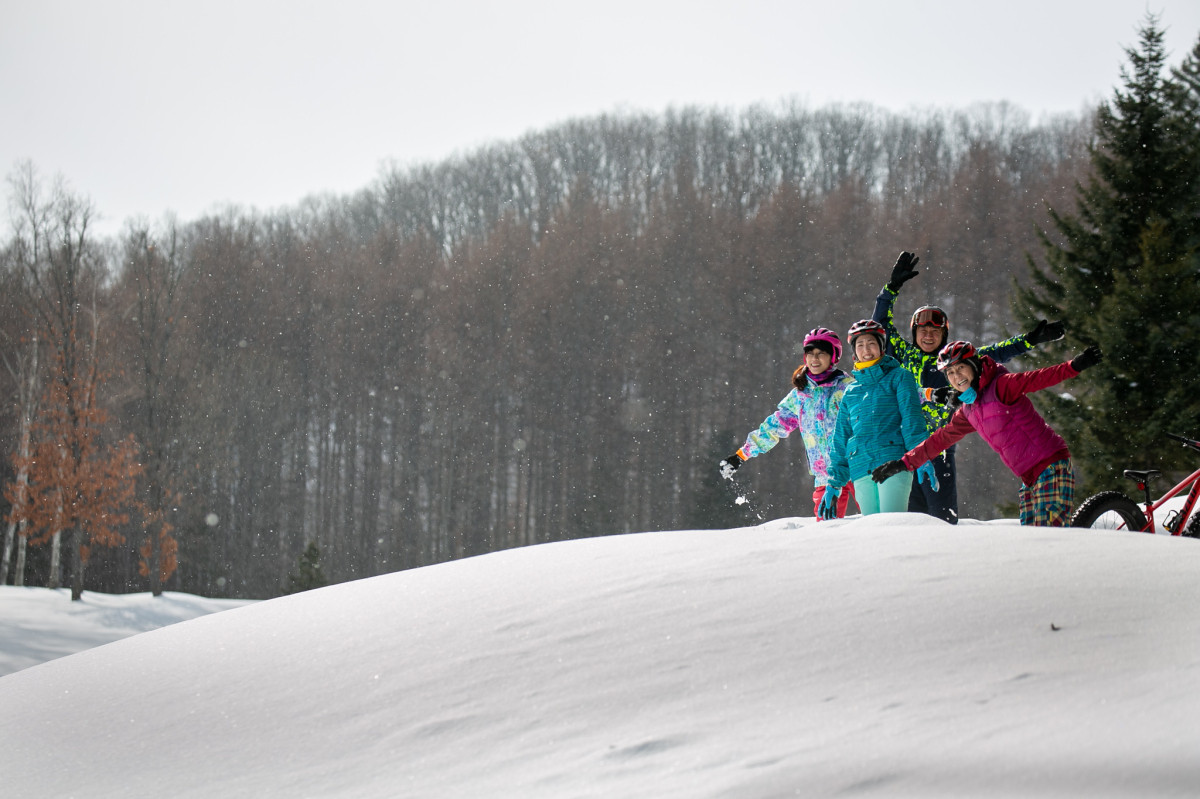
{"x":1193,"y":482}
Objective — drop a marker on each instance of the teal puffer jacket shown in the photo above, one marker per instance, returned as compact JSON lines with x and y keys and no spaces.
{"x":880,"y":420}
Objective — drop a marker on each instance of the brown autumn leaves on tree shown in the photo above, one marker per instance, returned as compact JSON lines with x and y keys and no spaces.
{"x":72,"y":483}
{"x":76,"y":482}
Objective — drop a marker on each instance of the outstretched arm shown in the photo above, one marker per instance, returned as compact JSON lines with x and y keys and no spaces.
{"x":939,"y":441}
{"x":1014,"y":385}
{"x":1004,"y":351}
{"x":1010,"y":348}
{"x":918,"y":456}
{"x":776,"y":427}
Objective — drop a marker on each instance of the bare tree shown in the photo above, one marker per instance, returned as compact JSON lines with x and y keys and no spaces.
{"x":150,"y":294}
{"x":53,"y":248}
{"x":25,"y":375}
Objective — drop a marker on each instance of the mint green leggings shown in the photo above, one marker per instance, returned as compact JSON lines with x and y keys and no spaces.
{"x":890,"y":496}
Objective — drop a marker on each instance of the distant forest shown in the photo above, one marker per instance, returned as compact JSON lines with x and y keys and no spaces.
{"x":544,"y":339}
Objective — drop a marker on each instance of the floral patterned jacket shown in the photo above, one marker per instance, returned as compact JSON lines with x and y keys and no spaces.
{"x":813,"y":410}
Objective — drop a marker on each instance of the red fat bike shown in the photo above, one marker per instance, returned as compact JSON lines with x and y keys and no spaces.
{"x":1114,"y":511}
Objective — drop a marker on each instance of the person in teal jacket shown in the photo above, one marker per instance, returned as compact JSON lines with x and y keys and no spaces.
{"x":880,"y":420}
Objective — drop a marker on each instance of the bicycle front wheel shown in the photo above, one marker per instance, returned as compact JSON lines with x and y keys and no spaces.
{"x":1109,"y":510}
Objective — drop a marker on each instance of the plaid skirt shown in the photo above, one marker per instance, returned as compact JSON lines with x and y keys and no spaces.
{"x":1049,"y":501}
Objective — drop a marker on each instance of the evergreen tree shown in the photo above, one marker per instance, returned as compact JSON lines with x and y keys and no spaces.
{"x":1123,"y":271}
{"x":310,"y":575}
{"x":1186,"y":84}
{"x":1185,"y":94}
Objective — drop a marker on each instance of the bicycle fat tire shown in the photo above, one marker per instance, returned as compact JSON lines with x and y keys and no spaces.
{"x":1109,"y":510}
{"x":1193,"y":528}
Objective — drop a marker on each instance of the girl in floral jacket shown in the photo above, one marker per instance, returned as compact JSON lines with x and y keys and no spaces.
{"x":812,"y":408}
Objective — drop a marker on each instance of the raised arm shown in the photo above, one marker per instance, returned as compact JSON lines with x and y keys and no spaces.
{"x":903,"y":271}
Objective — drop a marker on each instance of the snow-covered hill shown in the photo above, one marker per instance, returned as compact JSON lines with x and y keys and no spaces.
{"x":889,"y":656}
{"x":38,"y":624}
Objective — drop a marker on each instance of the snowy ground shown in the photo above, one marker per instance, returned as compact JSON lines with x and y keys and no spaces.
{"x":37,"y":624}
{"x":889,"y":656}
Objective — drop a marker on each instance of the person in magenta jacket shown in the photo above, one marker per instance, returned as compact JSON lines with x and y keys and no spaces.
{"x":993,"y":402}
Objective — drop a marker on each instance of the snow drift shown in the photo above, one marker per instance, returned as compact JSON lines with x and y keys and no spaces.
{"x":893,"y":655}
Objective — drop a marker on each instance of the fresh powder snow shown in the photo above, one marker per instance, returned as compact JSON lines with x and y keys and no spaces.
{"x":893,"y":655}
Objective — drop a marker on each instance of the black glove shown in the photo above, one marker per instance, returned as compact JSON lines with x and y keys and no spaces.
{"x":887,"y":470}
{"x":903,"y":271}
{"x":1046,"y":331}
{"x":730,"y":465}
{"x":941,"y":395}
{"x":1087,"y":359}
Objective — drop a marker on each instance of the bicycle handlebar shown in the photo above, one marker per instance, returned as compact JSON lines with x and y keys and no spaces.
{"x":1187,"y":442}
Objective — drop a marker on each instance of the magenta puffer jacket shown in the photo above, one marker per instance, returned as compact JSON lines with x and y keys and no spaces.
{"x":1017,"y":432}
{"x":1005,"y":418}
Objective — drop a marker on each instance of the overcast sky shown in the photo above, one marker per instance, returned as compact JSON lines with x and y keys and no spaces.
{"x":150,"y":106}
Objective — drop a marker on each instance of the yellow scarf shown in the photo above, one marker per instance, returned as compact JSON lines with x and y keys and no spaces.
{"x":867,"y":364}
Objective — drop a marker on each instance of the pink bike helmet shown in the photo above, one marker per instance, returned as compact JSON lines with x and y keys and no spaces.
{"x":825,"y":339}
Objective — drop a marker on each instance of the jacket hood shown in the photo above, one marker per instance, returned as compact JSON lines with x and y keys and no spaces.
{"x":988,"y":369}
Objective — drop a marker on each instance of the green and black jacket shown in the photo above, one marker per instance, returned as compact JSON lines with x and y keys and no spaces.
{"x":923,"y":365}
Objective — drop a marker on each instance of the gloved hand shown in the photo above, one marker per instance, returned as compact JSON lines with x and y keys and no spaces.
{"x":927,"y":475}
{"x":903,"y":271}
{"x":828,"y":507}
{"x":1087,"y":359}
{"x":941,"y":395}
{"x":730,"y":465}
{"x":887,"y":470}
{"x":1046,"y":331}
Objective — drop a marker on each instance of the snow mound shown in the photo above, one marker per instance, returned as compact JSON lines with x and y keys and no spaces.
{"x":893,"y":655}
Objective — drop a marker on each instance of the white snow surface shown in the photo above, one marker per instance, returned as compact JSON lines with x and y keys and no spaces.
{"x":38,"y":624}
{"x":894,"y":655}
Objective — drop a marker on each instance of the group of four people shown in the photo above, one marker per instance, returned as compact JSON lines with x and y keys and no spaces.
{"x":906,"y":405}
